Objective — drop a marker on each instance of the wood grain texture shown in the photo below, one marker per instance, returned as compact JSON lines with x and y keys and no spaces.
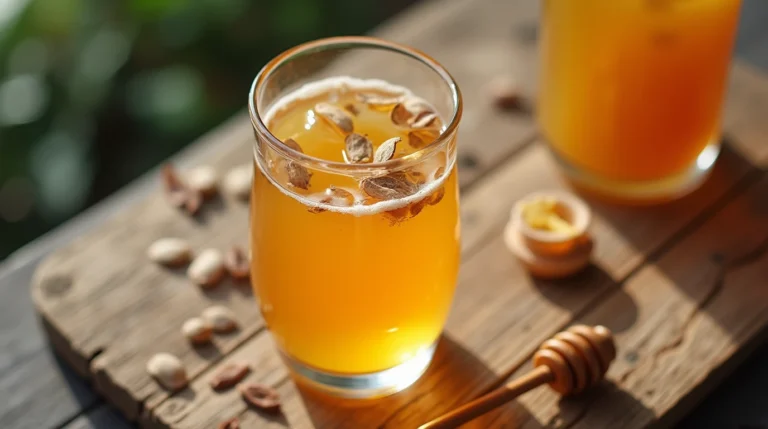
{"x":97,"y":294}
{"x":102,"y":417}
{"x":681,"y":323}
{"x":36,"y":388}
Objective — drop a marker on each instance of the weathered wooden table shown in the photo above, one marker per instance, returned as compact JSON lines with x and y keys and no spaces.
{"x":682,"y":286}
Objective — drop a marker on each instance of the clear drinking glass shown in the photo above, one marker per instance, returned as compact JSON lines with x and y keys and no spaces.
{"x":355,"y":287}
{"x":632,"y":90}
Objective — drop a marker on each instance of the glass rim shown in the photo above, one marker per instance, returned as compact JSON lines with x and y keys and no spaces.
{"x":353,"y":42}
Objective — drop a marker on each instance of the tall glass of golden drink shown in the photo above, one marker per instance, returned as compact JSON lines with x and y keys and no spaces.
{"x":355,"y":210}
{"x":631,"y":91}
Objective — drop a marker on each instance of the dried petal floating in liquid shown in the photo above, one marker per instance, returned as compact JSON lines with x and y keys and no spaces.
{"x":358,"y":148}
{"x":321,"y":199}
{"x":438,"y":195}
{"x":340,"y":194}
{"x":397,"y":215}
{"x":386,"y":150}
{"x":423,"y":121}
{"x":332,"y":196}
{"x":298,"y":175}
{"x":400,"y":115}
{"x":335,"y":116}
{"x":352,"y":109}
{"x":421,"y":138}
{"x":418,"y":206}
{"x":379,"y":102}
{"x":291,"y":143}
{"x":388,"y":187}
{"x":404,"y":113}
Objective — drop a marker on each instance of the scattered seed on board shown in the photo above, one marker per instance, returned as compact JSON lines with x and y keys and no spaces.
{"x":178,"y":193}
{"x":197,"y":330}
{"x":260,"y":396}
{"x":203,"y":179}
{"x":170,"y":251}
{"x":221,"y":319}
{"x":229,"y":375}
{"x":237,"y":182}
{"x":237,"y":263}
{"x":207,"y":269}
{"x":168,"y":370}
{"x":232,"y":423}
{"x":505,"y":92}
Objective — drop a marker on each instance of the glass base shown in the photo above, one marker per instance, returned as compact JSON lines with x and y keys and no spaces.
{"x":365,"y":386}
{"x":643,"y":192}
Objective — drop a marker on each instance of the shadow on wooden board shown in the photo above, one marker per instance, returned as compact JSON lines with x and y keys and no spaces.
{"x":564,"y":292}
{"x":433,"y":395}
{"x":602,"y":401}
{"x":702,"y":252}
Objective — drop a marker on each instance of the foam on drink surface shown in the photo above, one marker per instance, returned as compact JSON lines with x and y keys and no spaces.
{"x":334,"y":90}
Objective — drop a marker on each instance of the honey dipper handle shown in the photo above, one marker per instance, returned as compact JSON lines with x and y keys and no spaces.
{"x":540,"y":375}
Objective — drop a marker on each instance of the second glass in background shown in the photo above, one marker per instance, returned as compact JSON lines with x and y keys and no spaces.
{"x":631,"y":92}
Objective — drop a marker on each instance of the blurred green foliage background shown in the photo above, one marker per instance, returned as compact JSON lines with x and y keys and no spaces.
{"x":95,"y":92}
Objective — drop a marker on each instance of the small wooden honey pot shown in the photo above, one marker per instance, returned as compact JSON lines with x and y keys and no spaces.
{"x":548,"y":233}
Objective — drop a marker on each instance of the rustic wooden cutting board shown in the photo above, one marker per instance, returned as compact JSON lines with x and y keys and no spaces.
{"x":682,"y":286}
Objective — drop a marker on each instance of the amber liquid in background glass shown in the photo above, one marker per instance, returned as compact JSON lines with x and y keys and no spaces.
{"x":632,"y":90}
{"x":351,"y":293}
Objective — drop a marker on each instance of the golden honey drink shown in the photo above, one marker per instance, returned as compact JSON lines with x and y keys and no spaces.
{"x":631,"y":90}
{"x":355,"y":269}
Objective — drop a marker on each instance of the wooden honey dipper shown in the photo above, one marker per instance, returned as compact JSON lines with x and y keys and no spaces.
{"x":570,"y":362}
